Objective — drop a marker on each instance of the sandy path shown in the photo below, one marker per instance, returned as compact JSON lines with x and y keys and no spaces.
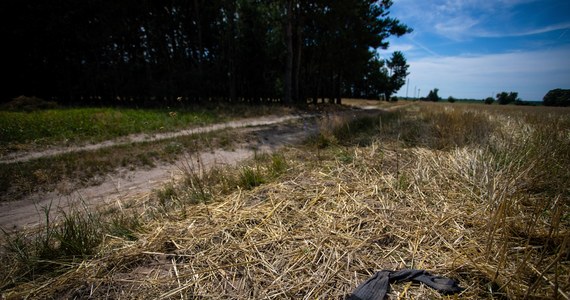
{"x":271,"y":134}
{"x":136,"y":138}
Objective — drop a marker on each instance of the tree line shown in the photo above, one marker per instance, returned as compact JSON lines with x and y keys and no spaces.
{"x":555,"y":97}
{"x":291,"y":51}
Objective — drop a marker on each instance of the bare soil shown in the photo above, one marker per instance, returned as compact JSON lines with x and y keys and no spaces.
{"x":270,"y":133}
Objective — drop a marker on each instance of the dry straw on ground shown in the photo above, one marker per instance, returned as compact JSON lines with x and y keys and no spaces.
{"x":334,"y":218}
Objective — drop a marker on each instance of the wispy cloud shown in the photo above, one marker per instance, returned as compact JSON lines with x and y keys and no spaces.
{"x":456,"y":28}
{"x":525,"y":32}
{"x":531,"y":74}
{"x":466,"y":19}
{"x":474,"y":48}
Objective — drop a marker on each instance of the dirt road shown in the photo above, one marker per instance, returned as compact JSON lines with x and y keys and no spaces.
{"x":270,"y":132}
{"x":137,"y":138}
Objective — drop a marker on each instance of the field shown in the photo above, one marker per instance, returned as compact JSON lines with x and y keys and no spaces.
{"x":471,"y":192}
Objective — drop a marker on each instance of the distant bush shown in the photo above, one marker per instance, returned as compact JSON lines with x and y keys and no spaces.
{"x":433,"y":96}
{"x":506,"y":98}
{"x":451,"y":99}
{"x":557,"y":97}
{"x":489,"y":100}
{"x":394,"y":99}
{"x":523,"y":103}
{"x":25,"y":103}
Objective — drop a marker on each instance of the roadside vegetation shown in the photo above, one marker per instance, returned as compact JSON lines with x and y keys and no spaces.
{"x":29,"y":124}
{"x":63,"y":127}
{"x":473,"y":192}
{"x":67,"y":172}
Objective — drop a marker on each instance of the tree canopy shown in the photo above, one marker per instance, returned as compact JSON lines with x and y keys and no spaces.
{"x":433,"y":96}
{"x":102,"y":51}
{"x":557,"y":97}
{"x":506,"y":98}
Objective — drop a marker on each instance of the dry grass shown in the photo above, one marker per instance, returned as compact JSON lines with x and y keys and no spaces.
{"x":475,"y":208}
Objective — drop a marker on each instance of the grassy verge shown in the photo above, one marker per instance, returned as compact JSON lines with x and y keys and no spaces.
{"x":69,"y":171}
{"x":82,"y":234}
{"x":423,"y":188}
{"x":71,"y":126}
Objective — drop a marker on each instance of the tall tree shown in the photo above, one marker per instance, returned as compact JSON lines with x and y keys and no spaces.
{"x":398,"y":67}
{"x":148,"y":52}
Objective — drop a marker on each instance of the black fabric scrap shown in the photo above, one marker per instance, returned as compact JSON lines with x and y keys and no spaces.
{"x":376,"y":287}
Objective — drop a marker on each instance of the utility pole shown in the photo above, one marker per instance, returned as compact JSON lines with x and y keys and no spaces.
{"x":407,"y":87}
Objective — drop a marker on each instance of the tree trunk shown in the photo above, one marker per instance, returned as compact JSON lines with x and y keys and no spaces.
{"x":338,"y":88}
{"x":296,"y":77}
{"x":232,"y":55}
{"x":289,"y":59}
{"x":200,"y":48}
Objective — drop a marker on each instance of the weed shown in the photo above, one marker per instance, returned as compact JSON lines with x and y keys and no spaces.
{"x":173,"y":148}
{"x":250,"y":178}
{"x":167,"y":195}
{"x":79,"y":234}
{"x":278,"y":165}
{"x":75,"y":237}
{"x":125,"y":226}
{"x":357,"y":131}
{"x":197,"y":180}
{"x":345,"y":157}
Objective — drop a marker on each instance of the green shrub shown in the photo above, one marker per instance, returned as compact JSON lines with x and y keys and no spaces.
{"x":557,"y":97}
{"x":250,"y":178}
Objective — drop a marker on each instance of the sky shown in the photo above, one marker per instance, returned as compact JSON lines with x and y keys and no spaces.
{"x":477,"y":48}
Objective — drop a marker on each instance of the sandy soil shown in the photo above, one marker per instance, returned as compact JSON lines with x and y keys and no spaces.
{"x":271,"y":132}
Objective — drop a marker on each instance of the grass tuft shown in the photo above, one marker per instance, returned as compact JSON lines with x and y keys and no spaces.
{"x":251,"y":177}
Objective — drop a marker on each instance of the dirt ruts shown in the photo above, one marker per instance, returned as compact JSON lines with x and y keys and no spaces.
{"x":271,"y":132}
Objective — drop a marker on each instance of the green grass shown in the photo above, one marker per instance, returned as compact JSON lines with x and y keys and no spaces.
{"x":251,"y":177}
{"x":40,"y":129}
{"x":89,"y":125}
{"x":86,"y":168}
{"x":55,"y":247}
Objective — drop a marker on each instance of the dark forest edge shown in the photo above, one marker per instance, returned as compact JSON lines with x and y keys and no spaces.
{"x":156,"y":54}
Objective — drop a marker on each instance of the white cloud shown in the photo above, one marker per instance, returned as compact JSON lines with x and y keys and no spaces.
{"x":456,"y":28}
{"x":466,"y":19}
{"x":531,"y":74}
{"x":525,"y":32}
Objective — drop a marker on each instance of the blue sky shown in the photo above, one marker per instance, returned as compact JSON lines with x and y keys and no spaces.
{"x":478,"y":48}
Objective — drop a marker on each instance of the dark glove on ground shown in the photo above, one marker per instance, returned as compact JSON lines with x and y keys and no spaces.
{"x":376,"y":287}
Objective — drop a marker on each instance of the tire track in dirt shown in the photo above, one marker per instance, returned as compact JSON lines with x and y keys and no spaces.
{"x":270,"y":135}
{"x":137,"y":138}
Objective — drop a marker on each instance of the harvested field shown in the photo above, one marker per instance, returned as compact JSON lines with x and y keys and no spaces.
{"x":462,"y":192}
